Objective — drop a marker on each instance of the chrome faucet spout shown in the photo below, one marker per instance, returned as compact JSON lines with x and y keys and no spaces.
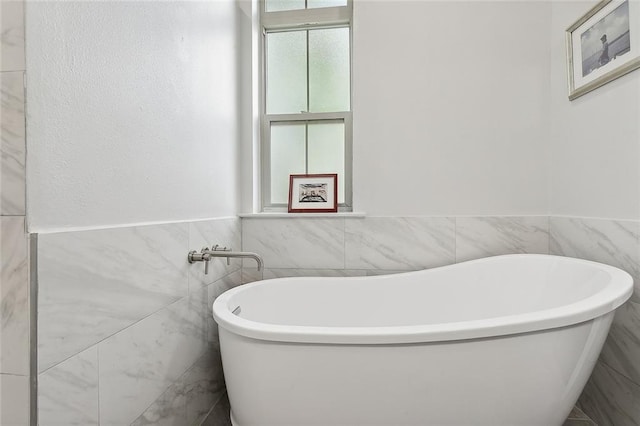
{"x":237,"y":254}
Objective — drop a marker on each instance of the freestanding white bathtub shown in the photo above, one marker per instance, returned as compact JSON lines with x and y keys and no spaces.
{"x":502,"y":341}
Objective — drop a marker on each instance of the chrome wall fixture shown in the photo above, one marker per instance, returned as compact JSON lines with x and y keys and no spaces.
{"x":207,"y":254}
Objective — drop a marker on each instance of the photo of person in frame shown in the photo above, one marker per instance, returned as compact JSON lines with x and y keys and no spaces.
{"x":606,"y":40}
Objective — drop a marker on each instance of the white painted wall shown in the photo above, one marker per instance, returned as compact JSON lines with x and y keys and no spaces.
{"x":594,"y":143}
{"x":451,"y":107}
{"x":136,"y":110}
{"x":132,"y":112}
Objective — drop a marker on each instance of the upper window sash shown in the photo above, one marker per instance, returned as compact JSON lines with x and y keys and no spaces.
{"x":301,"y":18}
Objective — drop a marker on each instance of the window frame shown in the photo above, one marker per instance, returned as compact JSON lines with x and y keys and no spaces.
{"x":300,"y":20}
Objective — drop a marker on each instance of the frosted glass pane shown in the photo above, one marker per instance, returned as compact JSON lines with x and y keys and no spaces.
{"x":329,"y":70}
{"x":313,"y":4}
{"x":326,"y":151}
{"x":287,"y":157}
{"x":286,"y":72}
{"x":275,"y":5}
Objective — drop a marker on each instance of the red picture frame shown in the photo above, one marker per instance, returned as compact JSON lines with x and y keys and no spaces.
{"x":313,"y":193}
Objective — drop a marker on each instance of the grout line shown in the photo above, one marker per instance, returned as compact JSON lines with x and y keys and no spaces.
{"x":32,"y":256}
{"x":615,"y":370}
{"x":548,"y":234}
{"x":18,"y":70}
{"x":344,"y":244}
{"x":173,"y":383}
{"x":215,"y":404}
{"x":14,"y":375}
{"x":189,"y":274}
{"x":98,"y":362}
{"x":114,"y":333}
{"x":455,"y":240}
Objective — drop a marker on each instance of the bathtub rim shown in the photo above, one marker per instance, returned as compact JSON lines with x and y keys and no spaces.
{"x":616,"y":293}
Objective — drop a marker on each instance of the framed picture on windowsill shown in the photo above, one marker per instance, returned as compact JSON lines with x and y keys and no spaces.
{"x":313,"y":193}
{"x":603,"y":45}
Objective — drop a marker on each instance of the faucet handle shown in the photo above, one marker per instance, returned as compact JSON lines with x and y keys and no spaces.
{"x":206,"y":257}
{"x":203,"y":256}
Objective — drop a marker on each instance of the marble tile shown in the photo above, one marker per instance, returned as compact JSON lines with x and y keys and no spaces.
{"x":214,"y":290}
{"x":14,"y":297}
{"x":188,"y":400}
{"x":376,"y":272}
{"x":159,"y":350}
{"x":94,"y":283}
{"x":12,"y":146}
{"x":286,"y":273}
{"x":219,"y":415}
{"x":610,"y":399}
{"x":577,"y":414}
{"x":225,"y":232}
{"x":14,"y":400}
{"x":168,"y":410}
{"x":12,"y":56}
{"x":250,"y":275}
{"x":68,"y":392}
{"x":296,"y":243}
{"x":578,"y":418}
{"x":401,"y":243}
{"x":621,"y":350}
{"x":203,"y":386}
{"x":613,"y":242}
{"x":225,"y":283}
{"x":478,"y":237}
{"x":579,"y":422}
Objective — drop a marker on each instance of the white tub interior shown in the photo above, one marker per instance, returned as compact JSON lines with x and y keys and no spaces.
{"x":489,"y":288}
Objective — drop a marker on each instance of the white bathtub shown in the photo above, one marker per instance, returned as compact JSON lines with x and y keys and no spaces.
{"x":507,"y":340}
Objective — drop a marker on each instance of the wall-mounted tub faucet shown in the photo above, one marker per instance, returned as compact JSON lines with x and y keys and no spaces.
{"x":206,"y":254}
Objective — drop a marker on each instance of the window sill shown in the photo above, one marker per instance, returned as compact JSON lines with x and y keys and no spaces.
{"x":281,"y":215}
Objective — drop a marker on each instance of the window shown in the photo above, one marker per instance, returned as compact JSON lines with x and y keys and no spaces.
{"x":306,"y":95}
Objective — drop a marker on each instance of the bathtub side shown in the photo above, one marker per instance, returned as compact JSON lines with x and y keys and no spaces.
{"x":540,"y":374}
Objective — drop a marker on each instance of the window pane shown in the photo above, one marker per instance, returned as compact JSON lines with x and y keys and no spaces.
{"x":286,"y":72}
{"x":329,"y":70}
{"x":287,"y":157}
{"x":275,"y":5}
{"x":313,"y":4}
{"x":326,"y":151}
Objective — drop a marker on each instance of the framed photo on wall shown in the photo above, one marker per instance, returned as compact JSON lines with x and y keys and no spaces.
{"x":313,"y":193}
{"x":603,"y":45}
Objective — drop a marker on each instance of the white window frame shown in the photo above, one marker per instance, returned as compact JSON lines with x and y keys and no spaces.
{"x":296,"y":20}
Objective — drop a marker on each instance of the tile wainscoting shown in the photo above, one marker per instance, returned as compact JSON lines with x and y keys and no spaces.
{"x":373,"y":245}
{"x":140,"y":346}
{"x":125,"y":332}
{"x":14,"y":282}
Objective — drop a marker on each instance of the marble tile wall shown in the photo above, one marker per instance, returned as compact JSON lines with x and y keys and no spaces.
{"x":125,"y":332}
{"x":141,"y":346}
{"x":14,"y":280}
{"x":612,"y":396}
{"x":345,"y":246}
